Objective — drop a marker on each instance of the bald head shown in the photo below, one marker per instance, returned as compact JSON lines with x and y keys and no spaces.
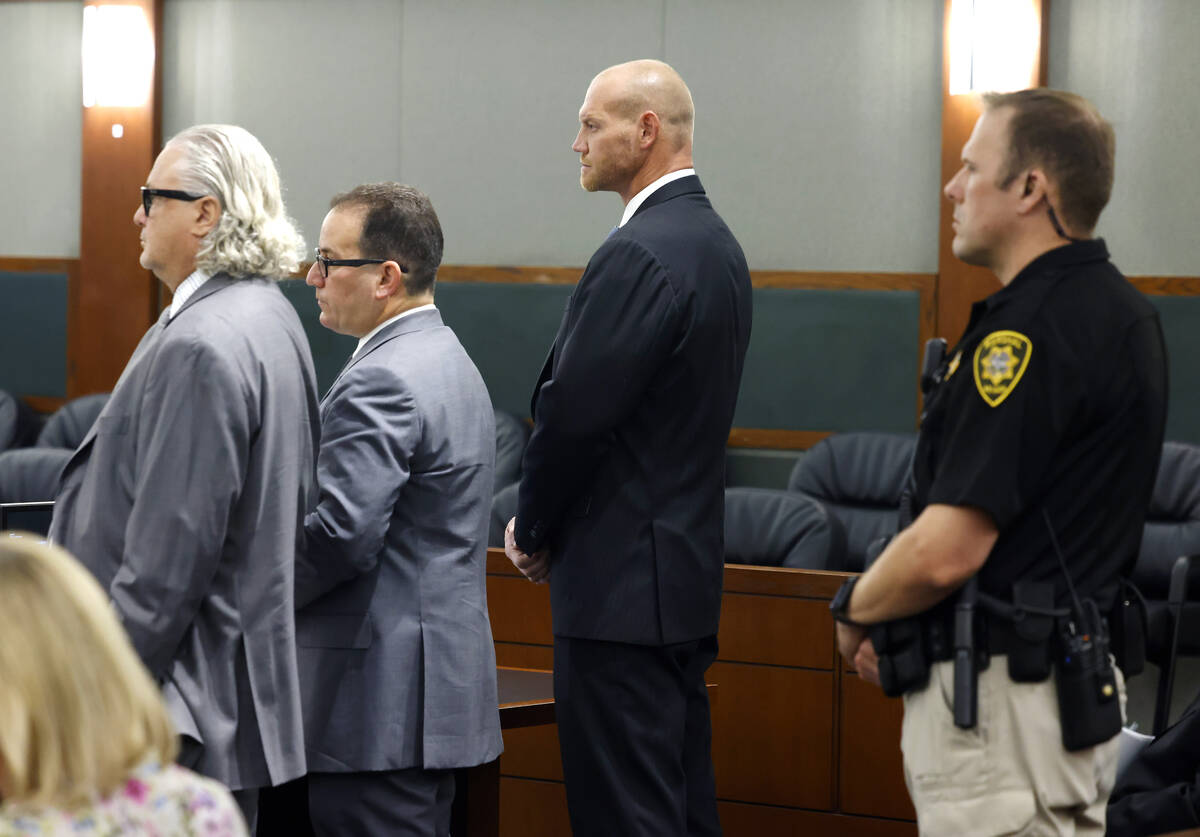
{"x":648,"y":85}
{"x":635,"y":126}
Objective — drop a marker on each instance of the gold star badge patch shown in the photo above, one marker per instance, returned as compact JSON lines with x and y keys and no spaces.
{"x":1000,"y":361}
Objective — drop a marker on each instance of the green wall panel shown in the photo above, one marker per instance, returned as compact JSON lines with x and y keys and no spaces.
{"x":507,"y":330}
{"x":33,"y":334}
{"x":831,"y":360}
{"x":329,"y":349}
{"x":818,"y":360}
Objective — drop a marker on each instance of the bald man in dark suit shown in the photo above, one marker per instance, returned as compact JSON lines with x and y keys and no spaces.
{"x":621,"y":499}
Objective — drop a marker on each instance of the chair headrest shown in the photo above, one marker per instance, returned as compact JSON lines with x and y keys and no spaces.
{"x":71,"y":422}
{"x":19,"y":423}
{"x":858,"y":469}
{"x":30,"y":475}
{"x":1176,"y":496}
{"x":781,"y":529}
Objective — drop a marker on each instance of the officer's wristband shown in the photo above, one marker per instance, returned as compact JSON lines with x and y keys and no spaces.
{"x":840,"y":604}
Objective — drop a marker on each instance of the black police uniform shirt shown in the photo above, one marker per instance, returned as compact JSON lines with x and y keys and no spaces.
{"x":1054,"y":399}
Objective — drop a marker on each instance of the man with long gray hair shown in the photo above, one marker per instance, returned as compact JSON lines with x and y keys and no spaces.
{"x":186,"y":497}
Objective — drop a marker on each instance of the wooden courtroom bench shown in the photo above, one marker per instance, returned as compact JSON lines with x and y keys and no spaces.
{"x":800,"y":744}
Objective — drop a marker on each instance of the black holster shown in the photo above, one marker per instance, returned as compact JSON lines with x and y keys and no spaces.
{"x":1029,"y":646}
{"x":903,"y":661}
{"x":1127,"y":622}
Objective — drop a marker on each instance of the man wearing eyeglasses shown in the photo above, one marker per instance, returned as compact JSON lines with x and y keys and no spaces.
{"x":186,"y":496}
{"x":397,"y":666}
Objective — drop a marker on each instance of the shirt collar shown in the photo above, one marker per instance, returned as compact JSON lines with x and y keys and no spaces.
{"x":1050,"y":262}
{"x":641,"y":196}
{"x":186,"y":288}
{"x":388,"y":322}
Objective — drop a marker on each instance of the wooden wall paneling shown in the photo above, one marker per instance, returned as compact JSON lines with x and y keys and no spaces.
{"x":114,"y":300}
{"x":786,"y":718}
{"x":870,"y":761}
{"x":773,"y":734}
{"x":774,"y":630}
{"x":530,"y":808}
{"x":766,"y":821}
{"x":520,"y":655}
{"x":521,"y":610}
{"x":533,"y":802}
{"x":532,"y":753}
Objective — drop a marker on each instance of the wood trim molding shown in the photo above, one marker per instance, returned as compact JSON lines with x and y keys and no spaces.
{"x":750,"y":437}
{"x":801,"y":279}
{"x":1167,"y":285}
{"x":39,"y":264}
{"x":515,"y":275}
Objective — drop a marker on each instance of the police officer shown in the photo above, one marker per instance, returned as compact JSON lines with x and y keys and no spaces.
{"x":1042,"y":439}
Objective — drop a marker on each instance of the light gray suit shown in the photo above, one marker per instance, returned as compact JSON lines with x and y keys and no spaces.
{"x":185,"y":500}
{"x":397,"y":665}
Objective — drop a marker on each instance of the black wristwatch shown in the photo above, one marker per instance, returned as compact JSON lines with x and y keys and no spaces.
{"x":841,"y":602}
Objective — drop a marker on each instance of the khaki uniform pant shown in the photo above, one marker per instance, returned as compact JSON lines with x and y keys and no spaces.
{"x":1008,"y":775}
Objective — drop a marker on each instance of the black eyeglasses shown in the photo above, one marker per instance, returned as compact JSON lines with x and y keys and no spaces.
{"x":148,"y":196}
{"x":325,"y":263}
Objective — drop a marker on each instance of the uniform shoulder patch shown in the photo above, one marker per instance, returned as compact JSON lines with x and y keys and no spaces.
{"x":1000,"y":360}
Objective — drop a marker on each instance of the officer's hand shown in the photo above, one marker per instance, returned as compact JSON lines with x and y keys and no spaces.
{"x":849,"y":637}
{"x":534,"y":567}
{"x":866,"y":661}
{"x":857,"y":648}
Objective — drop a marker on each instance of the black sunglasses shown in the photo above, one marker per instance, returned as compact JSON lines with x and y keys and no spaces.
{"x":148,"y":196}
{"x":325,"y":263}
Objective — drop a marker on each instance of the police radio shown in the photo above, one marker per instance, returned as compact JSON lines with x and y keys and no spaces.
{"x":935,"y":353}
{"x":1089,"y":708}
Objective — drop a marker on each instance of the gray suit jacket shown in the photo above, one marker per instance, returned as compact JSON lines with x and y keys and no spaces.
{"x":185,"y":500}
{"x":397,"y":666}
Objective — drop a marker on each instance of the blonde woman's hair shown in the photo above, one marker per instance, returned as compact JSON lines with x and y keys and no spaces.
{"x":78,"y":710}
{"x":254,"y":236}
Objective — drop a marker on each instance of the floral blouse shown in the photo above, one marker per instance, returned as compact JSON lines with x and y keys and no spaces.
{"x":155,"y":802}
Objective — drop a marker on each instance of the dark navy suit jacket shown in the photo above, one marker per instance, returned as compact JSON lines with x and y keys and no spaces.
{"x":624,"y":474}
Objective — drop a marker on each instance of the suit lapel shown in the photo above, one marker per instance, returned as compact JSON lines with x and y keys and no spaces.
{"x":413,"y":322}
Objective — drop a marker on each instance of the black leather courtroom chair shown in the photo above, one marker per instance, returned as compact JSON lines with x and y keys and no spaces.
{"x":859,"y":477}
{"x":19,"y":423}
{"x":512,"y":434}
{"x":66,"y":426}
{"x":1165,"y":573}
{"x":773,"y":528}
{"x":31,"y":474}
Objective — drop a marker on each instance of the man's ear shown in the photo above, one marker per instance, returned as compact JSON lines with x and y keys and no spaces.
{"x":208,"y":214}
{"x":391,"y":281}
{"x":1034,"y":190}
{"x":648,"y":128}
